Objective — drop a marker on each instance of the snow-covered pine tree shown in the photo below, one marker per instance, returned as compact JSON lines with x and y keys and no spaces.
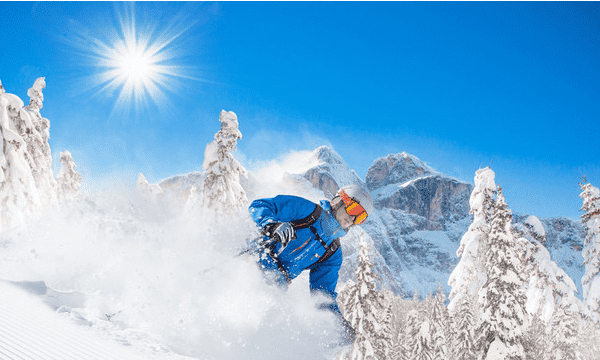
{"x":439,"y":325}
{"x":18,"y":191}
{"x":563,"y":335}
{"x":400,"y":351}
{"x":364,"y":305}
{"x":548,"y":285}
{"x":417,"y":338}
{"x":416,"y":298}
{"x":591,"y":250}
{"x":410,"y":343}
{"x":589,"y":339}
{"x":502,"y":297}
{"x":536,"y":341}
{"x":424,"y":349}
{"x":68,"y":179}
{"x":35,"y":130}
{"x":468,"y":276}
{"x":463,"y":324}
{"x":222,"y":189}
{"x":385,"y":343}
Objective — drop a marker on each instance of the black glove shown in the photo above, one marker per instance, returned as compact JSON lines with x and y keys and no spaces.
{"x":282,"y":232}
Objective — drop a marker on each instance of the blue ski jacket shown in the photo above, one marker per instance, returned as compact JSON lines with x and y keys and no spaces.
{"x":304,"y":252}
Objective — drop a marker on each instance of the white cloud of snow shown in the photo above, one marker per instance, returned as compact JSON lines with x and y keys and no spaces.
{"x":144,"y":265}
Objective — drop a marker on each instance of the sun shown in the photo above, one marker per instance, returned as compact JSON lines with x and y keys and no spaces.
{"x":135,"y":65}
{"x":136,"y":62}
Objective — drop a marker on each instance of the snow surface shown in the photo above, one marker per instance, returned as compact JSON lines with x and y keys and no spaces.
{"x":29,"y":329}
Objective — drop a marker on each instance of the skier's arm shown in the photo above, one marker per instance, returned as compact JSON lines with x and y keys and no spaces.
{"x":282,"y":208}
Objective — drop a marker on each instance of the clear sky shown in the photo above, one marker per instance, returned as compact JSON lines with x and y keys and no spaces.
{"x":138,"y":88}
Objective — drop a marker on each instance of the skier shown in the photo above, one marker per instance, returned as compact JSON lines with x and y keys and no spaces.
{"x":298,"y":234}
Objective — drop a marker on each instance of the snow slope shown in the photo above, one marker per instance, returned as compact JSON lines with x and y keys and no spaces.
{"x":30,"y":329}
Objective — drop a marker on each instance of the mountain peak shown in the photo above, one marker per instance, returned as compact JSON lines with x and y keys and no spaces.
{"x":396,"y":168}
{"x":326,"y":154}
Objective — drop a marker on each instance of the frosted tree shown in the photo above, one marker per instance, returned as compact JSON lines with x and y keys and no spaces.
{"x":385,"y":344}
{"x":502,"y":297}
{"x":463,"y":320}
{"x":563,"y":336}
{"x":536,"y":341}
{"x":591,"y":250}
{"x":468,"y":276}
{"x":548,"y":285}
{"x":419,"y":343}
{"x":363,"y":306}
{"x":68,"y":179}
{"x":439,"y":325}
{"x":589,"y":338}
{"x":416,"y":299}
{"x":35,"y":130}
{"x":18,"y":191}
{"x":410,"y":344}
{"x":222,"y":189}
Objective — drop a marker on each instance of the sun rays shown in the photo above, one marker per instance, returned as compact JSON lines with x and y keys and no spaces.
{"x":136,"y":63}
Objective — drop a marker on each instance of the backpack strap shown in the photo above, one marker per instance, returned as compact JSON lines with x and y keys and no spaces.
{"x":335,"y":245}
{"x":309,"y":220}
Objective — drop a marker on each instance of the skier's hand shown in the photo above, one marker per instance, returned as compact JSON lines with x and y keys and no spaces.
{"x":282,"y":232}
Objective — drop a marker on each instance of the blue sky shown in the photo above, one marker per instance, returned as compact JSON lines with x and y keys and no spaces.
{"x":459,"y":85}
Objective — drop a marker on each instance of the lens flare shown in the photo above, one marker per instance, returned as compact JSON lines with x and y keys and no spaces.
{"x":139,"y":63}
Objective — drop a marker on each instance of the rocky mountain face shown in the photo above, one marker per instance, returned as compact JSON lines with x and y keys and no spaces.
{"x":396,"y":169}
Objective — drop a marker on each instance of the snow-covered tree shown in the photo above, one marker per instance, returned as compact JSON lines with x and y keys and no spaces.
{"x":418,"y":345}
{"x":463,"y":324}
{"x":548,"y":285}
{"x":591,"y":250}
{"x":468,"y":276}
{"x":410,"y":341}
{"x":363,"y":306}
{"x":68,"y":179}
{"x":563,"y":335}
{"x":35,"y":130}
{"x":439,"y":325}
{"x":589,"y":340}
{"x":222,"y":188}
{"x":385,"y":344}
{"x":18,"y":191}
{"x":502,"y":297}
{"x":536,"y":341}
